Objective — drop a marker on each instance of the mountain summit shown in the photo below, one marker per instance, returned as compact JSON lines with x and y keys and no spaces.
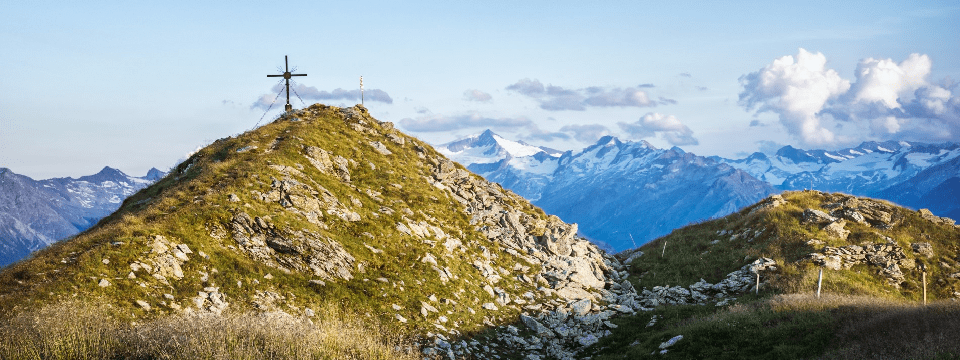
{"x":328,"y":207}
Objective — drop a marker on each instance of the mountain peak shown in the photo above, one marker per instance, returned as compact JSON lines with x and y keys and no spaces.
{"x":154,"y":174}
{"x":324,"y":211}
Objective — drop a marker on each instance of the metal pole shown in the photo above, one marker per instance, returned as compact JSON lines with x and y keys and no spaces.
{"x":361,"y":90}
{"x":758,"y":283}
{"x":819,"y":282}
{"x":924,"y":288}
{"x":664,"y":248}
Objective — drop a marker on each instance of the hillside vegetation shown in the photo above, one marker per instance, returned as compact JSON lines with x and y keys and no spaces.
{"x":872,"y":253}
{"x":328,"y":208}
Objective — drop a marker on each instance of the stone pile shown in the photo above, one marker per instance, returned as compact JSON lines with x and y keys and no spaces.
{"x":703,"y":292}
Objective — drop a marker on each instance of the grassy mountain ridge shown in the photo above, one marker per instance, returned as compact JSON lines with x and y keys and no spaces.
{"x":865,"y":310}
{"x":327,"y":210}
{"x":231,"y":168}
{"x":712,"y":249}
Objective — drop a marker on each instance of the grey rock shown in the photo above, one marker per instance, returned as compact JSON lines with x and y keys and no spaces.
{"x":813,"y":216}
{"x":836,"y":229}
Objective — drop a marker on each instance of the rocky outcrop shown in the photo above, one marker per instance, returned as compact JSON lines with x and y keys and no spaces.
{"x":862,"y":211}
{"x":771,"y":202}
{"x":929,"y":216}
{"x":587,"y":286}
{"x":888,"y":257}
{"x":301,"y":251}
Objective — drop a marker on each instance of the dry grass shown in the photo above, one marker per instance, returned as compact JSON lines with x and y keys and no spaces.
{"x":74,"y":330}
{"x":877,"y":328}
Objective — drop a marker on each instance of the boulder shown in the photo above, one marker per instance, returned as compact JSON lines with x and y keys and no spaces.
{"x":771,"y":202}
{"x":836,"y":229}
{"x":923,"y":249}
{"x":813,"y":216}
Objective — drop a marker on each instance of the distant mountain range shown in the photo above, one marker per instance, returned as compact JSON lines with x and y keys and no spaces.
{"x":37,"y":213}
{"x":915,"y":175}
{"x":624,"y":194}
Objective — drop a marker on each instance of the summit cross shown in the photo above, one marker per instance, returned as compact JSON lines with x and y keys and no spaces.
{"x":286,"y":76}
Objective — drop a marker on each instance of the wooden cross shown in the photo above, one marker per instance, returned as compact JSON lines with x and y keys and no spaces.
{"x":286,"y":75}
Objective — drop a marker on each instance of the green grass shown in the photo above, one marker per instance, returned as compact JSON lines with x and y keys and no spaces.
{"x":780,"y":235}
{"x":789,"y":327}
{"x":859,"y":315}
{"x":192,"y":202}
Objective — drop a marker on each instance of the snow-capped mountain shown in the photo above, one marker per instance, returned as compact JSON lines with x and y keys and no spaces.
{"x":912,"y":174}
{"x":616,"y":190}
{"x":516,"y":165}
{"x":622,"y":194}
{"x":36,"y":213}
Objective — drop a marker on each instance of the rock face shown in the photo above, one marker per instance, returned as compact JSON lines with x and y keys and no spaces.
{"x":292,"y":250}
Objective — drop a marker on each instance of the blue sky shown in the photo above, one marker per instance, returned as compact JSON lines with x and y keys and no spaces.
{"x":135,"y":86}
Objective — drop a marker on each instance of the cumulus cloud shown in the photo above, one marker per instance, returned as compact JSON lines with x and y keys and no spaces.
{"x":892,"y":100}
{"x":557,"y":98}
{"x":666,"y":126}
{"x":476,"y":95}
{"x":437,"y":123}
{"x":310,"y":93}
{"x":884,"y":81}
{"x":796,"y":88}
{"x":586,"y":133}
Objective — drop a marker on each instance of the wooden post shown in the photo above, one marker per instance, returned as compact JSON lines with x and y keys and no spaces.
{"x":924,"y":288}
{"x":819,"y":282}
{"x":758,"y":283}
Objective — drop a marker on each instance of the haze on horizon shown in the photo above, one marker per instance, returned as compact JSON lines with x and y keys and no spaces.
{"x":135,"y":86}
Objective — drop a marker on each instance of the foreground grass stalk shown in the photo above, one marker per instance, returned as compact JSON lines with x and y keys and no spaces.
{"x":78,"y":331}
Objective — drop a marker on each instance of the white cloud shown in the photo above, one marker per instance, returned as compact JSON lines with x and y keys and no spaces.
{"x":892,"y":100}
{"x":586,"y":133}
{"x":886,"y":81}
{"x":666,"y":126}
{"x":796,"y":88}
{"x":555,"y":98}
{"x":437,"y":122}
{"x":476,"y":95}
{"x":308,"y":93}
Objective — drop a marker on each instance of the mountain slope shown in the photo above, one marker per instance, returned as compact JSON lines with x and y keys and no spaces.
{"x":872,"y":254}
{"x":34,"y":214}
{"x":330,"y":207}
{"x":912,"y":174}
